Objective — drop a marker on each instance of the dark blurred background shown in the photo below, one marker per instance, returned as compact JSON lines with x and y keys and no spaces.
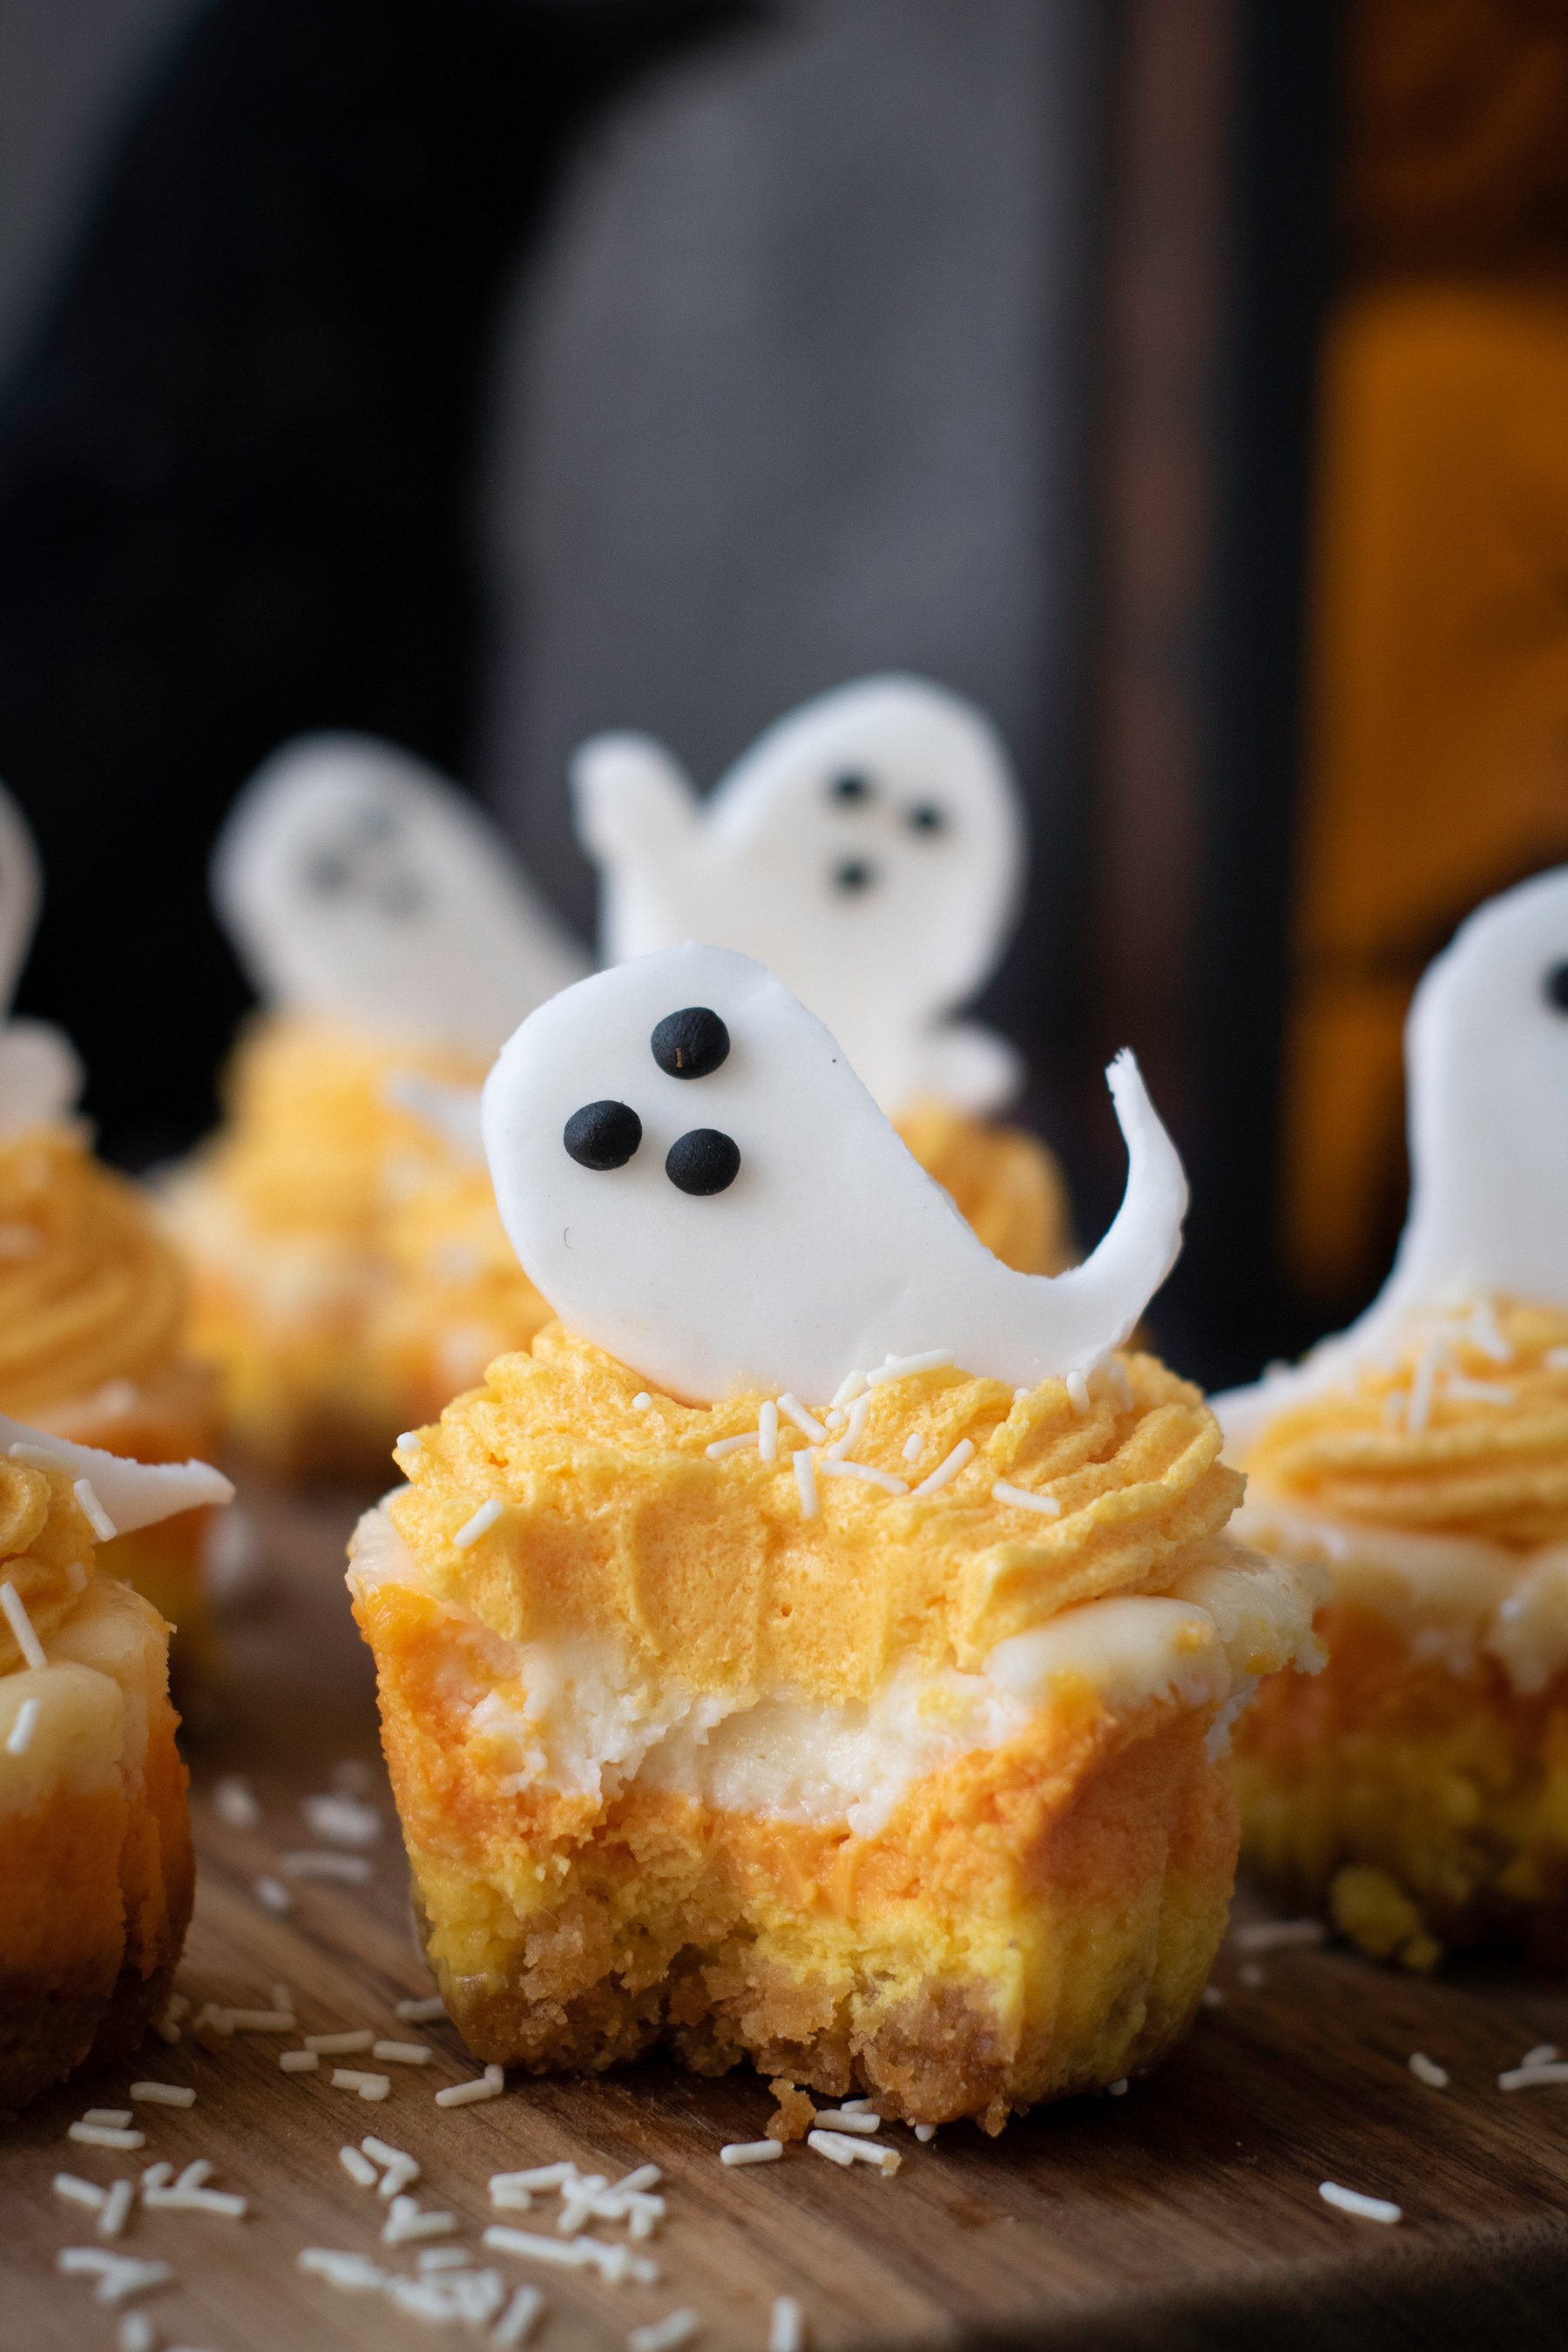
{"x":1187,"y":381}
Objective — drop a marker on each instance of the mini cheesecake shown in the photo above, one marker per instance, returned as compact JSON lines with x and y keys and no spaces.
{"x":95,"y":1844}
{"x":895,"y":1761}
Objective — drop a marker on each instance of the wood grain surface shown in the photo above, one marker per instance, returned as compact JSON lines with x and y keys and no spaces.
{"x":1184,"y":2214}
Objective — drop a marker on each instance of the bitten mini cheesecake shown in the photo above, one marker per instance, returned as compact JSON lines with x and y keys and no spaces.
{"x":1416,"y":1789}
{"x":757,"y":1679}
{"x":95,"y":1844}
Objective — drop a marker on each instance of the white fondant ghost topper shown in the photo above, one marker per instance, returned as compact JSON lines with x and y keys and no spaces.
{"x":1486,"y":1057}
{"x":357,"y":883}
{"x":868,"y":849}
{"x":40,"y":1075}
{"x":694,"y":1176}
{"x":133,"y":1494}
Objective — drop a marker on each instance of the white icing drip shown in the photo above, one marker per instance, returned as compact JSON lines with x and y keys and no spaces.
{"x":589,"y":1724}
{"x":831,"y":1244}
{"x":930,"y":829}
{"x":1486,"y":1055}
{"x":358,"y":884}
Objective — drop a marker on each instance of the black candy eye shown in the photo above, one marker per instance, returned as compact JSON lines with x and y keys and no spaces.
{"x":853,"y":875}
{"x":702,"y":1162}
{"x":603,"y":1134}
{"x":691,"y":1044}
{"x":850,"y":791}
{"x":1555,"y":987}
{"x":926,"y":817}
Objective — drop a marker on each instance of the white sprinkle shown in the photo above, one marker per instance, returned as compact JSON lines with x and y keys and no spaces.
{"x":1212,"y":1997}
{"x":840,"y":2148}
{"x":401,"y":2053}
{"x":914,"y":1446}
{"x":1531,"y":2078}
{"x":163,"y":2095}
{"x":665,"y":2335}
{"x":1021,"y":1396}
{"x":855,"y":2106}
{"x":1424,"y":1384}
{"x":421,"y":2012}
{"x":399,"y":2177}
{"x":1118,"y":2089}
{"x":947,"y":1468}
{"x":407,"y":2221}
{"x":807,"y":1424}
{"x":1078,"y":1392}
{"x":352,"y":1869}
{"x":357,"y":2167}
{"x":1393,"y":1406}
{"x":394,"y":2158}
{"x":483,"y":1520}
{"x":97,"y":1518}
{"x":1046,"y":1505}
{"x":410,"y":1443}
{"x":863,"y":1470}
{"x":298,"y":2062}
{"x":354,"y":2273}
{"x":136,"y":2334}
{"x":188,"y":2193}
{"x":115,"y":2117}
{"x":641,"y":1401}
{"x":76,"y":1577}
{"x":1252,"y":1975}
{"x":1426,"y":2070}
{"x":850,"y":2119}
{"x":210,"y":2014}
{"x":261,"y":2020}
{"x":1541,"y":2054}
{"x":543,"y":2176}
{"x":520,"y":2319}
{"x":369,"y":2087}
{"x":924,"y":2132}
{"x":101,"y":2135}
{"x":853,"y":1427}
{"x":787,"y":2326}
{"x":1253,"y":1935}
{"x":1117,"y":1375}
{"x":570,"y":2253}
{"x":21,"y":1625}
{"x":78,"y":2192}
{"x":849,"y":1388}
{"x":806,"y":1479}
{"x":751,"y":2151}
{"x":117,"y":2274}
{"x":638,"y":2183}
{"x":836,"y":1417}
{"x":272,"y":1894}
{"x":1486,"y":1334}
{"x":1460,"y":1385}
{"x":465,"y":2094}
{"x":768,"y":1430}
{"x":903,"y":1367}
{"x":443,"y":2258}
{"x":1350,"y":2200}
{"x":20,"y":1738}
{"x":1555,"y":1361}
{"x":236,"y":1802}
{"x":341,"y":1819}
{"x":723,"y":1445}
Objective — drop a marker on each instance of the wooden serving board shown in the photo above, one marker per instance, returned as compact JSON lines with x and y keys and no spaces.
{"x":1184,"y":2215}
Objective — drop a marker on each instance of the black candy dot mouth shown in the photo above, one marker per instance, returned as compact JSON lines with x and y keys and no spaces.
{"x":603,"y":1134}
{"x":704,"y":1163}
{"x":927,"y":817}
{"x":690,"y":1043}
{"x":850,"y":790}
{"x":853,"y":877}
{"x":1555,"y":987}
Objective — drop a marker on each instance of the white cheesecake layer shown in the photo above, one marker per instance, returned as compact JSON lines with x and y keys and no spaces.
{"x":576,"y":1717}
{"x":108,"y":1668}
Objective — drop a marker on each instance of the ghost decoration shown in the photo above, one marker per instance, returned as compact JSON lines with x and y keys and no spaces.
{"x":359,"y":885}
{"x":868,"y":849}
{"x":692,"y":1172}
{"x":131,"y":1494}
{"x":40,"y":1075}
{"x":1486,"y":1059}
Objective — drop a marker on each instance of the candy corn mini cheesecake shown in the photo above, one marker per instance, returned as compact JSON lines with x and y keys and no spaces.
{"x":94,"y":1301}
{"x":1417,"y":1787}
{"x":821,"y":1647}
{"x":869,"y":849}
{"x":95,"y":1844}
{"x":349,"y":1270}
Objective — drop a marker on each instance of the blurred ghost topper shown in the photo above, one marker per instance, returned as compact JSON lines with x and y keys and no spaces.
{"x":358,"y":884}
{"x":40,"y":1075}
{"x":868,"y":849}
